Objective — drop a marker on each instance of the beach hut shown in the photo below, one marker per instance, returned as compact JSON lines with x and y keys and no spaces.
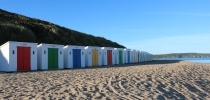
{"x":144,"y":56}
{"x":125,"y":56}
{"x":108,"y":57}
{"x":128,"y":55}
{"x":147,"y":56}
{"x":141,"y":56}
{"x":50,"y":56}
{"x":93,"y":56}
{"x":138,"y":56}
{"x":18,"y":56}
{"x":149,"y":59}
{"x":119,"y":55}
{"x":133,"y":56}
{"x":74,"y":56}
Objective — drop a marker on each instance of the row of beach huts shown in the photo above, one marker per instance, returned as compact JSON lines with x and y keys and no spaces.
{"x":25,"y":56}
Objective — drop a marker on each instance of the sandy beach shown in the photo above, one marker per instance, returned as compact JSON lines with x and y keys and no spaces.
{"x":152,"y":80}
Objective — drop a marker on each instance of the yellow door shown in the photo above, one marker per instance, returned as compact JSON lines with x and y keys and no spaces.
{"x":94,"y":57}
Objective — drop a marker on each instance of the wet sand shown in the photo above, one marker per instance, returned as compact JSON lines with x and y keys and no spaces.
{"x":152,"y":80}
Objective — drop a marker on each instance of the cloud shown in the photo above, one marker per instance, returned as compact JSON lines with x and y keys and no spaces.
{"x":184,"y":43}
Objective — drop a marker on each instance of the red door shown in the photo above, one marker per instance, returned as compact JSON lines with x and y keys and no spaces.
{"x":27,"y":58}
{"x":23,"y":59}
{"x":20,"y":55}
{"x":109,"y":57}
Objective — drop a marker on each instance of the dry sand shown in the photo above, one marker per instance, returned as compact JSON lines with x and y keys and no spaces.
{"x":154,"y":80}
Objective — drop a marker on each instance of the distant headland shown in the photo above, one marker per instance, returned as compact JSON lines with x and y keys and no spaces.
{"x":183,"y":55}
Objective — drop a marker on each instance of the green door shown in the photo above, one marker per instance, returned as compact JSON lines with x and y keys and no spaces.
{"x":55,"y":58}
{"x":120,"y":57}
{"x":52,"y":58}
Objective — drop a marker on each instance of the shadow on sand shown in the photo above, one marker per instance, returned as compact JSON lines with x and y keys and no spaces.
{"x":154,"y":62}
{"x":110,"y":66}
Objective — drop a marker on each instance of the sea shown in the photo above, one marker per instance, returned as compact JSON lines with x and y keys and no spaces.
{"x":197,"y":60}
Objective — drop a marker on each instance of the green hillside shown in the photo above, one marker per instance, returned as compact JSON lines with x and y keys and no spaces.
{"x":183,"y":55}
{"x":15,"y":27}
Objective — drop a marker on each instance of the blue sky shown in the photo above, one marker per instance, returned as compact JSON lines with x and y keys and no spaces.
{"x":155,"y":26}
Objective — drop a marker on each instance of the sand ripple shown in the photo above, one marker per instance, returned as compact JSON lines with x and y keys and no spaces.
{"x":181,"y":80}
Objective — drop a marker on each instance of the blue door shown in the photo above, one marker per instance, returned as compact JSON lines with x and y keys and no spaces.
{"x":76,"y":58}
{"x":128,"y":56}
